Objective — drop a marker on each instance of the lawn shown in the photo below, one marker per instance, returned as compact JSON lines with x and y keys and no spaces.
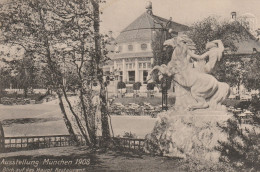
{"x":46,"y":119}
{"x":101,"y":161}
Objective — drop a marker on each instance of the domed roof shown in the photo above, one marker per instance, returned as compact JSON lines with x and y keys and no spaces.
{"x":141,"y":29}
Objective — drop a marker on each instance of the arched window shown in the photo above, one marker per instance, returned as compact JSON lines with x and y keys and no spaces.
{"x":143,"y":46}
{"x":130,"y":47}
{"x":120,"y":48}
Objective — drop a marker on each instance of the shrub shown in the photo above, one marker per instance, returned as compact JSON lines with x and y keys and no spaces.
{"x":129,"y":135}
{"x":121,"y":85}
{"x":150,"y":86}
{"x":243,"y":105}
{"x":137,"y":85}
{"x":242,"y":149}
{"x":254,"y":106}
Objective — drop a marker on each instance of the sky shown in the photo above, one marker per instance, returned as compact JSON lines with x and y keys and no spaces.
{"x":118,"y":14}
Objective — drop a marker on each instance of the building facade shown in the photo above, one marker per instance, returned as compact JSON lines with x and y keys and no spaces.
{"x":133,"y":55}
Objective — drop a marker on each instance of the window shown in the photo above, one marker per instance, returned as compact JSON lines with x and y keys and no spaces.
{"x":145,"y":74}
{"x":143,"y":46}
{"x":130,"y":47}
{"x":131,"y":75}
{"x":144,"y":65}
{"x":119,"y":66}
{"x":120,"y":48}
{"x":148,"y":65}
{"x":121,"y":76}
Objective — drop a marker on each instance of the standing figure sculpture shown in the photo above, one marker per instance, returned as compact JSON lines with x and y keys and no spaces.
{"x":198,"y":90}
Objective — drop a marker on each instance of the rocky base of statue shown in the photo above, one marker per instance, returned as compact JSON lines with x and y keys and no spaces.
{"x":188,"y":134}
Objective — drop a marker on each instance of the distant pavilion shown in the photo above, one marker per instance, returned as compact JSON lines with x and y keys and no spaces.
{"x":133,"y":56}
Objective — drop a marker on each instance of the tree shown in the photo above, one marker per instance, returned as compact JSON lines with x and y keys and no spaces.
{"x":98,"y":59}
{"x":242,"y":146}
{"x":241,"y":149}
{"x":136,"y":87}
{"x":62,"y":34}
{"x":253,"y":72}
{"x":161,"y":54}
{"x":211,"y":29}
{"x":230,"y":68}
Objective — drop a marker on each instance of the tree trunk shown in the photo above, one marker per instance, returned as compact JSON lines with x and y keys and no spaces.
{"x":238,"y":88}
{"x":66,"y":120}
{"x":78,"y":121}
{"x":98,"y":57}
{"x":25,"y":91}
{"x":57,"y":76}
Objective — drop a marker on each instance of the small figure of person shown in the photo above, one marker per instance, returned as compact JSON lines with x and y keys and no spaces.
{"x":215,"y":51}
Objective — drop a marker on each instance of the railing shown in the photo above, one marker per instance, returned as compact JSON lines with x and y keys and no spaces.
{"x":37,"y":142}
{"x":129,"y":144}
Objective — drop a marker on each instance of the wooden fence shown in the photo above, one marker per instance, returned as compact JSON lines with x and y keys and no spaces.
{"x":129,"y":144}
{"x":39,"y":142}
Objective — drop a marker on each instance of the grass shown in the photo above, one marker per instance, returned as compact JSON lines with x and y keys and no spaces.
{"x":46,"y":119}
{"x":105,"y":161}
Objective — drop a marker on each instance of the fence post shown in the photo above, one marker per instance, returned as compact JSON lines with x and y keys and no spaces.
{"x":27,"y":143}
{"x":2,"y":139}
{"x":49,"y":142}
{"x":129,"y":145}
{"x":44,"y":142}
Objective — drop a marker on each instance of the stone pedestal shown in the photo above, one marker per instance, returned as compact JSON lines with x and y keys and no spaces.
{"x":186,"y":134}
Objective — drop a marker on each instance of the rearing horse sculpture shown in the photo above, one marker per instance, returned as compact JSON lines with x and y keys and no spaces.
{"x":199,"y":90}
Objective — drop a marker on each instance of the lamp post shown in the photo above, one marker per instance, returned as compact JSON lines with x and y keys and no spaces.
{"x":164,"y":87}
{"x":164,"y":35}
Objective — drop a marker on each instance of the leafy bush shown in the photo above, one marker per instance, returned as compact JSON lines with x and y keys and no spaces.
{"x":137,"y":85}
{"x":121,"y":85}
{"x":150,"y":86}
{"x":37,"y":97}
{"x":243,"y":104}
{"x":242,"y":149}
{"x":129,"y":135}
{"x":254,"y":106}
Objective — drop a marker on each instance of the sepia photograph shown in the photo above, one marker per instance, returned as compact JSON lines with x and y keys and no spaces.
{"x":129,"y":85}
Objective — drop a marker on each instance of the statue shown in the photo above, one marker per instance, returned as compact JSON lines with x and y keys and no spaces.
{"x":194,"y":89}
{"x":215,"y":50}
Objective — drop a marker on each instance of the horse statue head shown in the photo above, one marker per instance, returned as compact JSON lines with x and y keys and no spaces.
{"x":181,"y":44}
{"x":181,"y":40}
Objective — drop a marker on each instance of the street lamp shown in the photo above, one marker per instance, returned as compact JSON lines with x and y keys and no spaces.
{"x":164,"y":86}
{"x":162,"y":37}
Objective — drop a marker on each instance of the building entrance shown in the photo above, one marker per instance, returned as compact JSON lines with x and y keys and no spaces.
{"x":131,"y":76}
{"x":145,"y":74}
